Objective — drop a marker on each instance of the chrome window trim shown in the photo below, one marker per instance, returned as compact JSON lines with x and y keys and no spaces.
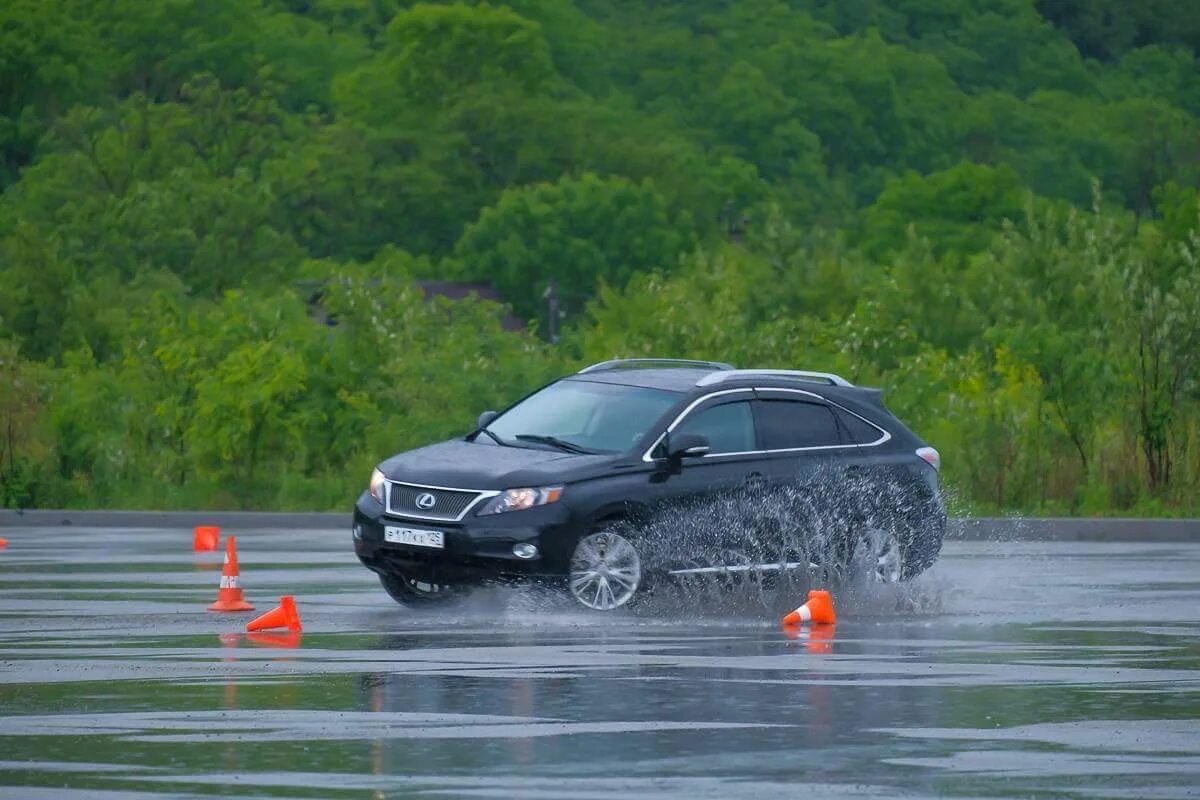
{"x":484,"y":494}
{"x":885,"y":437}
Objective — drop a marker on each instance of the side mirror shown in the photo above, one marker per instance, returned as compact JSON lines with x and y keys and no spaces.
{"x":686,"y":445}
{"x":486,"y":418}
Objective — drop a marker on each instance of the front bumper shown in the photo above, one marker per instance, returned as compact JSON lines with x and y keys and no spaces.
{"x":477,"y":549}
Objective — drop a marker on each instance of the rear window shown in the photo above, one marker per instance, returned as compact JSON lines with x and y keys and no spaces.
{"x":787,"y":424}
{"x":860,"y":431}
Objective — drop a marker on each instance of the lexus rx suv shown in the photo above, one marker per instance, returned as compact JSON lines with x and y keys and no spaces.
{"x":582,"y":482}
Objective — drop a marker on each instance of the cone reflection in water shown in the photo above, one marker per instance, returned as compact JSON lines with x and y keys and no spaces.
{"x":820,"y":640}
{"x":284,"y":615}
{"x":206,"y":538}
{"x":230,"y":642}
{"x":818,"y":609}
{"x":288,"y":641}
{"x":229,"y":596}
{"x":817,"y":639}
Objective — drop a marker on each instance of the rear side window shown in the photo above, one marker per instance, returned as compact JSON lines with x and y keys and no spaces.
{"x":729,"y":427}
{"x":791,"y":423}
{"x":860,"y":431}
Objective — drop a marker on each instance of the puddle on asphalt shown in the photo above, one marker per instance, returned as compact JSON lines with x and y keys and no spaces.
{"x":1014,"y":669}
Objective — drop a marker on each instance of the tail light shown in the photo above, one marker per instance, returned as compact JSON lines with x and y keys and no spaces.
{"x":931,"y":457}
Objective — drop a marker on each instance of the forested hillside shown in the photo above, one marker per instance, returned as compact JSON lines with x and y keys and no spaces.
{"x":986,"y":207}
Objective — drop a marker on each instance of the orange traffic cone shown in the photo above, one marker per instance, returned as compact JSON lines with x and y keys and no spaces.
{"x":3,"y":543}
{"x":284,"y":615}
{"x":205,"y":538}
{"x":818,"y":609}
{"x":229,"y":596}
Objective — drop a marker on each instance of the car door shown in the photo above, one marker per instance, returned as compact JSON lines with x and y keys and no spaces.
{"x":727,"y":422}
{"x":701,"y":500}
{"x":807,"y":451}
{"x":805,"y":439}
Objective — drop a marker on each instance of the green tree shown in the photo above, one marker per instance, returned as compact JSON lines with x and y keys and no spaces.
{"x":1160,"y":323}
{"x":49,"y":59}
{"x":435,"y":54}
{"x":958,"y":210}
{"x":24,"y":445}
{"x":837,"y":185}
{"x":1105,"y":29}
{"x":160,"y":46}
{"x":169,"y":187}
{"x":1048,"y":277}
{"x":578,"y":232}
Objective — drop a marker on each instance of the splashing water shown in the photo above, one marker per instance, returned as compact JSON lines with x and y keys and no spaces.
{"x":759,"y":551}
{"x":751,"y":555}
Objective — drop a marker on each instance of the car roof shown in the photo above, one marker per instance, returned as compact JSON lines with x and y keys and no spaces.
{"x":672,"y":379}
{"x":685,"y":379}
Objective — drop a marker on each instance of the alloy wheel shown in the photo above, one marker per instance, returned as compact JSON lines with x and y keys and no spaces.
{"x":605,"y":571}
{"x":887,"y":557}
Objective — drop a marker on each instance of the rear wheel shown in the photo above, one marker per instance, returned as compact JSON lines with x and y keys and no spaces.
{"x":412,"y":592}
{"x":897,"y":530}
{"x":883,"y":556}
{"x":606,"y":571}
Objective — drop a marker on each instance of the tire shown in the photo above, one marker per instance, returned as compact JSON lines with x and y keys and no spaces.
{"x":924,"y":543}
{"x":606,"y":569}
{"x":413,"y":593}
{"x":884,"y":527}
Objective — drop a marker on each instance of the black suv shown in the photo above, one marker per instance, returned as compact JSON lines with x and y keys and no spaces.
{"x":570,"y":481}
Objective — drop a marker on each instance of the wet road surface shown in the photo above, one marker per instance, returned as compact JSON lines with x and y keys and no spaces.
{"x":1009,"y":670}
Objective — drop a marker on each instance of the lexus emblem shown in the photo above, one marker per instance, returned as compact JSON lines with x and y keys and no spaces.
{"x":426,"y":501}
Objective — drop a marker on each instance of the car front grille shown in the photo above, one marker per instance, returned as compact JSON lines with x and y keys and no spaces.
{"x":448,"y":504}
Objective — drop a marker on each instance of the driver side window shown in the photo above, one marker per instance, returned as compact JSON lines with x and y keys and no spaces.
{"x":729,"y":427}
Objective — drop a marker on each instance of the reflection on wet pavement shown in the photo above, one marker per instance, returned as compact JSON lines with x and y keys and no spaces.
{"x":1010,"y":670}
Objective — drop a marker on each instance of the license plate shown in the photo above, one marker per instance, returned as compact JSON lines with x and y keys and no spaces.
{"x":417,"y":537}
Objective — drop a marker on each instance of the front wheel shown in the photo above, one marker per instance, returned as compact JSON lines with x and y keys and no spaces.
{"x":411,"y":592}
{"x":606,"y":571}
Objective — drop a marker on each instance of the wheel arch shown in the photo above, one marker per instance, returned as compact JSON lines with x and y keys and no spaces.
{"x":621,"y":511}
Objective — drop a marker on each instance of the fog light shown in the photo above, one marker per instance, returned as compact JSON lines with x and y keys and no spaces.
{"x":524,"y":550}
{"x":356,"y":531}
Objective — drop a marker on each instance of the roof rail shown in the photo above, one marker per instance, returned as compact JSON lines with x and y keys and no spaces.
{"x":634,"y":363}
{"x":804,"y":375}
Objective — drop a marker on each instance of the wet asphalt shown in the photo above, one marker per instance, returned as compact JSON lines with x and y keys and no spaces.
{"x":1012,"y":669}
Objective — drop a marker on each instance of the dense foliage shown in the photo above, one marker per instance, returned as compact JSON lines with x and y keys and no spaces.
{"x":987,"y":207}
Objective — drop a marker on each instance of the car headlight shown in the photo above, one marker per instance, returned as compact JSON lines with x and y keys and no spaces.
{"x":375,"y":487}
{"x":519,"y":499}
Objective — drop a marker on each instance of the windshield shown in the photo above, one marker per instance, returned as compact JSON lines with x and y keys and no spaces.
{"x":596,"y":417}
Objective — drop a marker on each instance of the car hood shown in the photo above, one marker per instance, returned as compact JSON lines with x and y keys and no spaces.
{"x":471,"y":465}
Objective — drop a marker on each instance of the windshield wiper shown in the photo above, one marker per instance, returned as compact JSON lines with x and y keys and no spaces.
{"x":554,"y":441}
{"x":495,"y":438}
